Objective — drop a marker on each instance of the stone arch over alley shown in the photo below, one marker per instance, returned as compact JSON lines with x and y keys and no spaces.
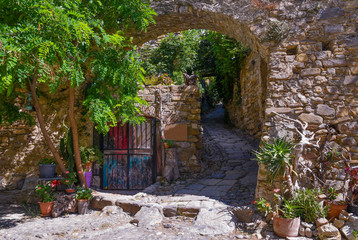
{"x":303,"y":63}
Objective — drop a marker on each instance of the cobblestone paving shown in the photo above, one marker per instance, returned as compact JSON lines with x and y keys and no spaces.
{"x":229,"y":175}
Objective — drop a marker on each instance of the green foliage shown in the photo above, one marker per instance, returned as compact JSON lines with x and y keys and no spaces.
{"x":263,"y":206}
{"x":72,"y":42}
{"x":83,"y":193}
{"x":289,"y":209}
{"x":222,"y":57}
{"x":332,"y":194}
{"x":71,"y":179}
{"x":45,"y":192}
{"x":67,"y":152}
{"x":47,"y":161}
{"x":207,"y":53}
{"x":175,"y":55}
{"x":89,"y":155}
{"x":163,"y":79}
{"x":310,"y":208}
{"x":276,"y":157}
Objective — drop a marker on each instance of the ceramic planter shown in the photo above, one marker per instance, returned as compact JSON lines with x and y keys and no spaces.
{"x":47,"y":170}
{"x":88,"y":176}
{"x":334,"y":209}
{"x":82,"y":206}
{"x":46,"y":208}
{"x":284,"y":227}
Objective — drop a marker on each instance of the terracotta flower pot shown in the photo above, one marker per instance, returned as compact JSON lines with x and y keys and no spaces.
{"x":284,"y":227}
{"x":70,"y":190}
{"x":82,"y":206}
{"x":334,"y":209}
{"x":46,"y":208}
{"x":166,"y":145}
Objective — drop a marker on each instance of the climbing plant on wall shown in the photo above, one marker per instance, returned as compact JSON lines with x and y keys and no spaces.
{"x":71,"y":43}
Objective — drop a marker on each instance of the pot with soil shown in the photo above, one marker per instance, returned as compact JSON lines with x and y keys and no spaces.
{"x":334,"y":208}
{"x":83,"y":195}
{"x":47,"y":168}
{"x":46,"y":196}
{"x":88,"y":176}
{"x":46,"y":208}
{"x":286,"y":227}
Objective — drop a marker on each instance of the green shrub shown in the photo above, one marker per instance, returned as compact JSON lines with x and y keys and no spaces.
{"x":309,"y":207}
{"x":276,"y":157}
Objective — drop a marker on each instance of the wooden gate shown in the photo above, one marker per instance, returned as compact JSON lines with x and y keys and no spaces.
{"x":129,"y":156}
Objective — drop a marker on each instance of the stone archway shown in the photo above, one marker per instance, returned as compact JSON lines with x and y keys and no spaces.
{"x":303,"y":62}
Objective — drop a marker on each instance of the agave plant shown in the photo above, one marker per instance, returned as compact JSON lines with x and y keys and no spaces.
{"x":276,"y":157}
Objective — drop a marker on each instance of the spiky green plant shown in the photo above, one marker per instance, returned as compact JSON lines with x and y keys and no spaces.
{"x":276,"y":157}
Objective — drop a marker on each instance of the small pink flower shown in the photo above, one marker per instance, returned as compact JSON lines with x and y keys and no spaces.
{"x":45,"y":191}
{"x":39,"y":188}
{"x":79,"y":172}
{"x":67,"y":172}
{"x":276,"y":190}
{"x":67,"y":180}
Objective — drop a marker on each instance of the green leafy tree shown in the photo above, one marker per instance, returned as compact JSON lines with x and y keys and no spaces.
{"x":71,"y":43}
{"x":176,"y":54}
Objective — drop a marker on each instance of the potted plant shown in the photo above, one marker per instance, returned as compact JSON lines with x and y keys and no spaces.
{"x":45,"y":193}
{"x":47,"y":167}
{"x":83,"y":195}
{"x":286,"y":220}
{"x":352,"y":189}
{"x":167,"y":143}
{"x":334,"y":207}
{"x":88,"y":157}
{"x":70,"y":181}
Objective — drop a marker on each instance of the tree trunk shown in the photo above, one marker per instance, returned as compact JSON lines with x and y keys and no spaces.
{"x":43,"y":127}
{"x":76,"y":147}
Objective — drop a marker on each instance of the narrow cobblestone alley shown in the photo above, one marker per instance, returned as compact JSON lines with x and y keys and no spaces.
{"x":229,"y":173}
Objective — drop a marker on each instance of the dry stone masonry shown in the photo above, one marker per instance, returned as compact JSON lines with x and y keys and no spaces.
{"x":304,"y":63}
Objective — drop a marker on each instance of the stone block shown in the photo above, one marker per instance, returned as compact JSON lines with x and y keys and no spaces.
{"x":334,"y":28}
{"x":334,"y":62}
{"x":310,"y":72}
{"x":325,"y":110}
{"x":310,"y":118}
{"x":130,"y":207}
{"x":351,"y":80}
{"x":328,"y":231}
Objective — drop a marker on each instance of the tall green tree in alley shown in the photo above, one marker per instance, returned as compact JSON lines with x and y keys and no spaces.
{"x":71,"y":43}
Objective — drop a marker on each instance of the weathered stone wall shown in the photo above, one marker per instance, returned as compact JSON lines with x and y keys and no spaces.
{"x":182,"y":104}
{"x":314,"y":78}
{"x":310,"y":48}
{"x":247,"y":108}
{"x":22,"y":146}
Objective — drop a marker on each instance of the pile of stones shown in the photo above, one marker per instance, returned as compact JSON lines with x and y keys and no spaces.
{"x":342,"y":227}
